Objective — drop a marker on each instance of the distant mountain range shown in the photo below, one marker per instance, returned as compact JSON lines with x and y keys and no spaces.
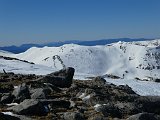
{"x":24,"y":47}
{"x":124,"y":59}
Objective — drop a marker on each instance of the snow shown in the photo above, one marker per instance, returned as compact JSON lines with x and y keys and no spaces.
{"x":128,"y":58}
{"x":143,"y":88}
{"x":15,"y":87}
{"x":12,"y":104}
{"x":8,"y":113}
{"x":86,"y":97}
{"x":23,"y":68}
{"x":83,"y":96}
{"x":5,"y":53}
{"x":97,"y":105}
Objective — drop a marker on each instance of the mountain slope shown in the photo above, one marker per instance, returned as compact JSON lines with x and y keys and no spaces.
{"x":123,"y":59}
{"x":10,"y":64}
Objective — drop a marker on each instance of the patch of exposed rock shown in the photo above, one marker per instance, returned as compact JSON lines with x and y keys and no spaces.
{"x":57,"y":96}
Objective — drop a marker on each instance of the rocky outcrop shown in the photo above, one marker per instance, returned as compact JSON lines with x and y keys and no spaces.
{"x":29,"y":107}
{"x":6,"y":98}
{"x":21,"y":93}
{"x":14,"y":117}
{"x":144,"y":116}
{"x":148,"y":103}
{"x":40,"y":93}
{"x":57,"y":96}
{"x":73,"y":116}
{"x":62,"y":78}
{"x":8,"y":117}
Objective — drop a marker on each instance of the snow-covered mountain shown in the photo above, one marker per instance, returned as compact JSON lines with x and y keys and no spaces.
{"x":128,"y":60}
{"x":24,"y":47}
{"x":123,"y":59}
{"x":10,"y":64}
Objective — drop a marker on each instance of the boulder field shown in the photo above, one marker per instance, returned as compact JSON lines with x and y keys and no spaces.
{"x":57,"y":96}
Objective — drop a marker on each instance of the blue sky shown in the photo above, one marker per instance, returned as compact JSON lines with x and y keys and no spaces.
{"x":40,"y":21}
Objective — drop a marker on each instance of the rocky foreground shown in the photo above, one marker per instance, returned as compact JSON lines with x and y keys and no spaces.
{"x":57,"y":96}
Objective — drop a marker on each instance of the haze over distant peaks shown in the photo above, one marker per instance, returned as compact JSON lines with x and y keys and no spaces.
{"x":24,"y":47}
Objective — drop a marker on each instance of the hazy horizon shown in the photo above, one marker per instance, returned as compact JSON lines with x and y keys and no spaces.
{"x":58,"y":41}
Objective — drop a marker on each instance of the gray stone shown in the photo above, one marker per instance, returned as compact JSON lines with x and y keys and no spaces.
{"x":56,"y":103}
{"x":29,"y":107}
{"x":6,"y":98}
{"x":73,"y":116}
{"x":40,"y":93}
{"x":62,"y":78}
{"x":150,"y":104}
{"x":99,"y":81}
{"x":8,"y":117}
{"x":21,"y":93}
{"x":144,"y":116}
{"x":109,"y":110}
{"x":127,"y":108}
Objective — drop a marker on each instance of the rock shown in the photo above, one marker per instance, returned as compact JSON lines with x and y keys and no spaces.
{"x":98,"y":81}
{"x":97,"y":116}
{"x":56,"y":103}
{"x":109,"y":110}
{"x":127,"y":108}
{"x":126,"y":89}
{"x":73,"y":116}
{"x":95,"y":98}
{"x":29,"y":107}
{"x":8,"y":117}
{"x":83,"y":99}
{"x":6,"y":98}
{"x":40,"y":93}
{"x":62,"y":78}
{"x":5,"y":87}
{"x":21,"y":93}
{"x":53,"y":88}
{"x":150,"y":104}
{"x":144,"y":116}
{"x":23,"y":117}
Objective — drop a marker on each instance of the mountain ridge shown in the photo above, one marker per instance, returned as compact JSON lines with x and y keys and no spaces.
{"x":24,"y":47}
{"x":123,"y":59}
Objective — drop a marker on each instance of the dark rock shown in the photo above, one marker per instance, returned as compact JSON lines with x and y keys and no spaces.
{"x":126,"y":89}
{"x":97,"y":116}
{"x":5,"y":87}
{"x":8,"y":117}
{"x":73,"y":116}
{"x":128,"y":108}
{"x":95,"y":98}
{"x":53,"y":88}
{"x":109,"y":110}
{"x":62,"y":78}
{"x":56,"y":103}
{"x":144,"y":116}
{"x":6,"y":98}
{"x":21,"y":93}
{"x":29,"y":107}
{"x":150,"y":104}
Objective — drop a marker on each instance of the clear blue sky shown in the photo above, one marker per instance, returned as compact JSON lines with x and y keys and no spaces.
{"x":40,"y":21}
